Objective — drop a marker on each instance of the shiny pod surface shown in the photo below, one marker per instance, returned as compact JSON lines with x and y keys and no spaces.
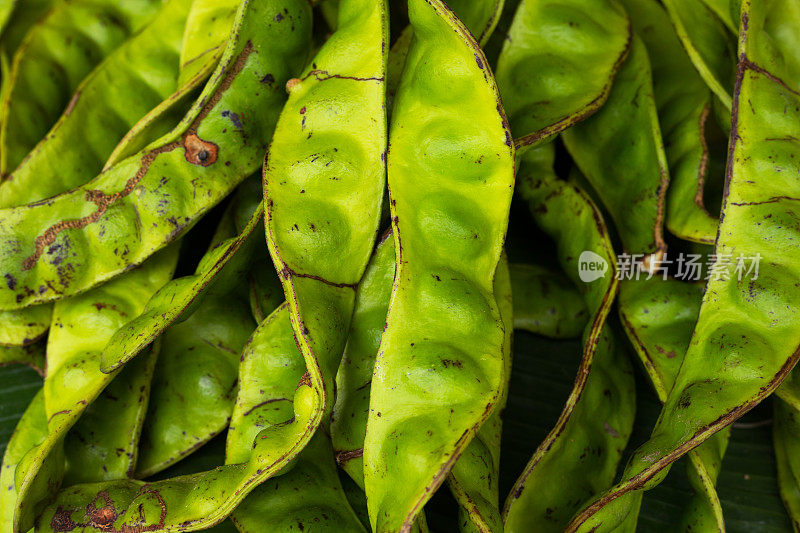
{"x":76,"y":240}
{"x":450,"y":173}
{"x":746,"y":337}
{"x":574,"y":71}
{"x":52,"y":60}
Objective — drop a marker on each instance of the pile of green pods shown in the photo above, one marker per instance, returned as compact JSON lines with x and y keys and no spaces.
{"x":302,"y":233}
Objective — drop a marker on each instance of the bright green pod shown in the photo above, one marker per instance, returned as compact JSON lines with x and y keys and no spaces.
{"x":575,"y":48}
{"x":24,"y":15}
{"x":82,"y":326}
{"x":708,"y":44}
{"x":659,"y":316}
{"x":451,"y":175}
{"x":746,"y":338}
{"x":546,"y":302}
{"x":786,"y":438}
{"x":309,"y":495}
{"x":474,"y":478}
{"x":6,"y":8}
{"x":30,"y":432}
{"x":207,"y":27}
{"x":133,"y":79}
{"x":479,"y":17}
{"x":324,"y":177}
{"x":620,"y":151}
{"x":53,"y":59}
{"x":194,"y":385}
{"x":81,"y":238}
{"x":683,"y":112}
{"x":585,"y":446}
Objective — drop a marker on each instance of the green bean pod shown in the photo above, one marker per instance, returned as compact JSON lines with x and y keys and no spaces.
{"x":324,"y":177}
{"x":546,"y":302}
{"x":708,"y":44}
{"x":450,"y":181}
{"x":575,"y":47}
{"x":586,"y":444}
{"x":683,"y":112}
{"x":659,"y":316}
{"x":24,"y":15}
{"x":194,"y":385}
{"x":619,"y":150}
{"x":30,"y":432}
{"x":55,"y":56}
{"x":310,"y":494}
{"x":146,"y":65}
{"x":746,"y":338}
{"x":207,"y":27}
{"x":74,"y":380}
{"x":81,"y":238}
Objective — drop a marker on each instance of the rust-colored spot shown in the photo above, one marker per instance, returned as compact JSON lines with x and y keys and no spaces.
{"x":305,"y":380}
{"x":292,"y":83}
{"x":198,"y":151}
{"x":103,"y":518}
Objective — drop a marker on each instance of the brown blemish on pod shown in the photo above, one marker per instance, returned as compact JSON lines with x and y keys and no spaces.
{"x":199,"y":152}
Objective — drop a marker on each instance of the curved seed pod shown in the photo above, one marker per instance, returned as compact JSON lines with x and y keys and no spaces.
{"x":683,"y":110}
{"x":786,"y":436}
{"x":659,"y":317}
{"x":451,"y":179}
{"x":574,"y":71}
{"x":101,"y":447}
{"x":50,"y":63}
{"x":76,"y":240}
{"x":546,"y":302}
{"x":25,"y":326}
{"x":6,"y":8}
{"x":708,"y":44}
{"x":310,"y":493}
{"x":586,"y":444}
{"x":624,"y":159}
{"x":179,"y":298}
{"x":208,"y":26}
{"x":31,"y":355}
{"x":30,"y":432}
{"x":82,"y":326}
{"x":24,"y":15}
{"x":475,"y":476}
{"x":266,"y":292}
{"x":194,"y":386}
{"x":324,"y":177}
{"x":747,"y":334}
{"x":146,"y":66}
{"x":727,"y":11}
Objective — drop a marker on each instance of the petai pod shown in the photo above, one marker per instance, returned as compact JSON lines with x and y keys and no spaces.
{"x":474,"y":476}
{"x":451,"y":176}
{"x":23,"y":327}
{"x":30,"y":432}
{"x":31,"y":355}
{"x":52,"y":60}
{"x":546,"y":302}
{"x":309,"y":495}
{"x":586,"y":444}
{"x":207,"y":27}
{"x":194,"y":385}
{"x":727,"y":11}
{"x":708,"y":44}
{"x":786,"y":436}
{"x":146,"y":65}
{"x":81,"y":238}
{"x":25,"y":14}
{"x":746,"y":338}
{"x":74,"y":381}
{"x":659,"y":316}
{"x":683,"y":112}
{"x":324,"y":177}
{"x":574,"y":71}
{"x":619,"y":150}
